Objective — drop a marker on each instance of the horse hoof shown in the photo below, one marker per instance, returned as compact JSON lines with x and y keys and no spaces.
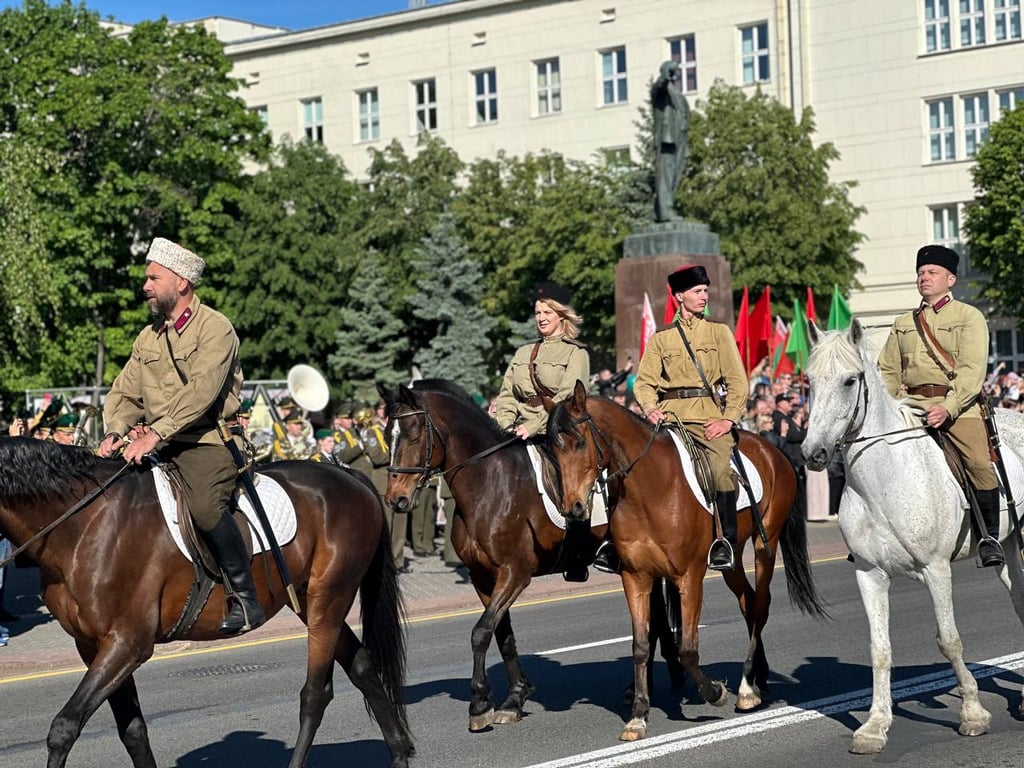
{"x":506,"y":717}
{"x":635,"y":730}
{"x":973,"y":729}
{"x":481,"y":722}
{"x":748,"y":701}
{"x":866,"y":745}
{"x":723,"y":699}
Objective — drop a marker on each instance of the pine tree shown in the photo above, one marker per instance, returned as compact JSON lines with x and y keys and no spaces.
{"x":450,"y":285}
{"x":371,"y":339}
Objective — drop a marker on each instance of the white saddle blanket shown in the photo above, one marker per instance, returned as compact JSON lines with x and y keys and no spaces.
{"x":279,"y":508}
{"x":1014,"y":470}
{"x":742,"y":497}
{"x":599,"y":512}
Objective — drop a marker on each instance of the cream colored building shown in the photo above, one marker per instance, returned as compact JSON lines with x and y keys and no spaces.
{"x":905,"y":90}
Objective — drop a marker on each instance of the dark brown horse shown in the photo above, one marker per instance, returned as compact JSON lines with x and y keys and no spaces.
{"x":661,"y":530}
{"x":501,"y":531}
{"x":115,"y":580}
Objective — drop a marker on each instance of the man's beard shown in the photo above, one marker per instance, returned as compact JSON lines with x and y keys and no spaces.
{"x":161,"y":307}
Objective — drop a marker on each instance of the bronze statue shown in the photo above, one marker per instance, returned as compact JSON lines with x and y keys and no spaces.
{"x":671,"y":123}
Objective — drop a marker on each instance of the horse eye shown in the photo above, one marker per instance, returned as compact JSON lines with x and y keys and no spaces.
{"x":850,"y":381}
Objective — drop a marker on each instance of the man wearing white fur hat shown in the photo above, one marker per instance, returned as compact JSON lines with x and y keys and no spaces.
{"x":183,"y":375}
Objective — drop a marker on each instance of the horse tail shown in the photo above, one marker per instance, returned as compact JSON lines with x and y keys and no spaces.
{"x":383,"y":619}
{"x":799,"y":580}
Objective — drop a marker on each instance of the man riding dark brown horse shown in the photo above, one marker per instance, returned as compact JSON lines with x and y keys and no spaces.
{"x":182,"y":377}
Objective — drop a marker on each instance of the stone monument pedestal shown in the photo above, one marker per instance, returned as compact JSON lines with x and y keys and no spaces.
{"x":649,"y":255}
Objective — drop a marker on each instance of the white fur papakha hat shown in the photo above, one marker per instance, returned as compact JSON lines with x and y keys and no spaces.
{"x":181,"y":261}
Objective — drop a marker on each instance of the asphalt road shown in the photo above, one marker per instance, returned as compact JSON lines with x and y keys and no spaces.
{"x":238,"y":706}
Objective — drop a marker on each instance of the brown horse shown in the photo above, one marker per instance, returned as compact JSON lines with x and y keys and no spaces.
{"x":661,"y":530}
{"x":501,"y":531}
{"x":115,"y":580}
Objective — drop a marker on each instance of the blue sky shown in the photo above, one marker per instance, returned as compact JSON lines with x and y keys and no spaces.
{"x":279,"y":13}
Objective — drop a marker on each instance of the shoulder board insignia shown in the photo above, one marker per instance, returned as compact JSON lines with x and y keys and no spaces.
{"x":574,"y":342}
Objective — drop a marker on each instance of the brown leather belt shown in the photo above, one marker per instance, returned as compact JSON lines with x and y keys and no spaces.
{"x":684,"y":393}
{"x":535,"y":401}
{"x":929,"y":390}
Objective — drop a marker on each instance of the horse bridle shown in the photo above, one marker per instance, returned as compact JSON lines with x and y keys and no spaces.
{"x":853,"y":428}
{"x":427,"y":470}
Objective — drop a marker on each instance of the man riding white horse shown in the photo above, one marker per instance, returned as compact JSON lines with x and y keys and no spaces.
{"x":939,"y":352}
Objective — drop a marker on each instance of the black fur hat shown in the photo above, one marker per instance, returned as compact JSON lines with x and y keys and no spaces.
{"x":685,"y":278}
{"x":940,"y":255}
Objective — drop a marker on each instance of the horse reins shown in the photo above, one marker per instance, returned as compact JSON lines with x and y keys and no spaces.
{"x":852,"y":426}
{"x":83,"y":502}
{"x":621,"y":472}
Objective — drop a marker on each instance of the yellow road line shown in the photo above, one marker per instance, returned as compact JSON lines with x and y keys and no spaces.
{"x":301,"y":635}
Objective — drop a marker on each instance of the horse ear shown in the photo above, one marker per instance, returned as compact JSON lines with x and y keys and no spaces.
{"x":579,"y":396}
{"x":384,"y":392}
{"x":813,"y":331}
{"x":405,"y":395}
{"x":856,"y":331}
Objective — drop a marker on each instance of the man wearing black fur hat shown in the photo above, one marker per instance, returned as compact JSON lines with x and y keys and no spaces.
{"x":942,"y":365}
{"x":671,"y":385}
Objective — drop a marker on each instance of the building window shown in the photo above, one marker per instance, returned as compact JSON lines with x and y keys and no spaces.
{"x":263,"y":113}
{"x":1008,"y":100}
{"x":1006,"y":17}
{"x":975,"y":122}
{"x":683,"y":50}
{"x":369,"y":115}
{"x":940,"y":130}
{"x":616,"y":158}
{"x":936,"y":25}
{"x":313,"y":119}
{"x":426,"y":105}
{"x":613,"y":77}
{"x":946,"y":227}
{"x":754,"y":46}
{"x":972,"y":22}
{"x":549,"y":87}
{"x":486,"y":84}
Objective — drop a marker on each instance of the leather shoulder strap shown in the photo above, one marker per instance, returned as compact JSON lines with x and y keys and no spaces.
{"x":931,"y":345}
{"x":537,"y":386}
{"x":700,"y":370}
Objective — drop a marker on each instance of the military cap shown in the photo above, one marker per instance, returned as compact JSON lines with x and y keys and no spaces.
{"x":323,"y":434}
{"x":294,"y":415}
{"x":939,"y":255}
{"x":685,"y":278}
{"x":245,"y":408}
{"x":66,"y":422}
{"x":287,"y":403}
{"x":344,"y":410}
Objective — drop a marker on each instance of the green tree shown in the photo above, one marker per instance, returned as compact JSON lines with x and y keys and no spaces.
{"x":448,"y":300}
{"x":295,"y":251}
{"x":149,"y":138}
{"x":994,"y":223}
{"x":372,"y":342}
{"x":756,"y":178}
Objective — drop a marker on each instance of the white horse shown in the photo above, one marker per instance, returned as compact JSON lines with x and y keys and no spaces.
{"x":902,"y":513}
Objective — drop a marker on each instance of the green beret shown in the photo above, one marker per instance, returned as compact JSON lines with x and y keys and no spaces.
{"x":323,"y":434}
{"x":245,"y":409}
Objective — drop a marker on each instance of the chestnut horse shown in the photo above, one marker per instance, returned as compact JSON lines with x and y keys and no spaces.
{"x":660,"y":529}
{"x":501,"y":531}
{"x":114,"y":579}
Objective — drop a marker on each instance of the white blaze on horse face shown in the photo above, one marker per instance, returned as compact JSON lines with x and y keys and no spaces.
{"x":395,"y":432}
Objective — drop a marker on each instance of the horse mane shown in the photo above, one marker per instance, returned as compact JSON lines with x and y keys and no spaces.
{"x":33,"y":470}
{"x":834,"y":352}
{"x":449,"y":388}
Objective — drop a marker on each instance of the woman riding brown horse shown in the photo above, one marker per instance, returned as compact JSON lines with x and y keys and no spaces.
{"x":115,"y":580}
{"x":661,"y":530}
{"x":501,"y":530}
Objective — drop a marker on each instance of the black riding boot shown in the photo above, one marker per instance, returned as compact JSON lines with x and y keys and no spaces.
{"x":607,"y":559}
{"x":228,"y":549}
{"x":722,"y":554}
{"x":990,"y":551}
{"x":576,"y":544}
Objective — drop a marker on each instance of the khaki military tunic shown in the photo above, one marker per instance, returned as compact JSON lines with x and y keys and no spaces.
{"x":961,"y":330}
{"x":348,"y":447}
{"x":205,"y":349}
{"x":666,"y":365}
{"x":560,"y":363}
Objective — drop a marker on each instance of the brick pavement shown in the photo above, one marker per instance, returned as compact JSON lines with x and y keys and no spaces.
{"x":37,"y":642}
